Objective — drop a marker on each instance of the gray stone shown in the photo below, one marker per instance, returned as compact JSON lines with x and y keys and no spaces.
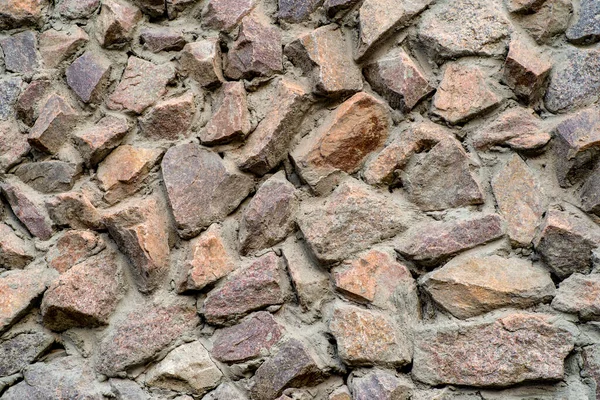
{"x":128,"y":390}
{"x":578,"y":294}
{"x":226,"y":391}
{"x":27,"y":208}
{"x":297,"y":10}
{"x":48,"y":176}
{"x":381,"y":385}
{"x":88,"y":76}
{"x":201,"y":61}
{"x":20,"y":52}
{"x":75,"y":9}
{"x":20,"y":351}
{"x":586,"y":28}
{"x":9,"y":93}
{"x":548,"y":21}
{"x":590,"y":192}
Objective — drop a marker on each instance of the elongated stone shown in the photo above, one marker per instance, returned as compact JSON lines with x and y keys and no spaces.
{"x":28,"y":208}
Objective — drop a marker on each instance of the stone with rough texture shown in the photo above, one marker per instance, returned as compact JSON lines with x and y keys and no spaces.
{"x":269,"y":217}
{"x":473,"y":285}
{"x":224,"y":15}
{"x":381,"y":385}
{"x":226,"y":391}
{"x":399,"y":79}
{"x":153,"y":8}
{"x":116,"y":23}
{"x":201,"y":188}
{"x":591,"y":363}
{"x":334,"y":7}
{"x":432,"y":242}
{"x":49,"y":176}
{"x":20,"y":52}
{"x":586,"y":28}
{"x":53,"y":126}
{"x":96,"y":142}
{"x":526,"y":70}
{"x":590,"y":192}
{"x":296,"y":10}
{"x":73,"y":247}
{"x":27,"y":208}
{"x":20,"y":351}
{"x":74,"y":209}
{"x":9,"y":93}
{"x":13,"y":145}
{"x":520,"y":200}
{"x":324,"y":56}
{"x":75,"y":9}
{"x":578,"y":294}
{"x":523,"y":6}
{"x":31,"y":100}
{"x":56,"y":46}
{"x":169,"y":119}
{"x":188,"y":368}
{"x":549,"y":20}
{"x":19,"y":289}
{"x":231,"y":118}
{"x":533,"y":347}
{"x":14,"y":251}
{"x":341,"y":393}
{"x":18,"y":13}
{"x":127,"y":390}
{"x":158,"y":38}
{"x":463,"y":94}
{"x":358,"y":127}
{"x":246,"y":290}
{"x":88,"y":76}
{"x":201,"y":61}
{"x":252,"y":338}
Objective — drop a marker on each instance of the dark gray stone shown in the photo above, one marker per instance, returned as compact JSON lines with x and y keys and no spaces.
{"x":586,"y":28}
{"x":9,"y":92}
{"x":88,"y":76}
{"x":297,"y":10}
{"x":21,"y":350}
{"x":48,"y":176}
{"x":20,"y":52}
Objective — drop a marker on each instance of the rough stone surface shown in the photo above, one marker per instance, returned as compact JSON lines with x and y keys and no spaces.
{"x":578,"y":294}
{"x":13,"y":144}
{"x":158,"y":38}
{"x":73,"y":247}
{"x":75,"y":210}
{"x":526,"y":70}
{"x":585,"y":29}
{"x":48,"y":176}
{"x":88,"y":75}
{"x":169,"y":119}
{"x":55,"y":122}
{"x":381,"y":385}
{"x":201,"y":61}
{"x":57,"y":46}
{"x":296,"y":10}
{"x":27,"y":209}
{"x":95,"y":143}
{"x":22,"y":350}
{"x":116,"y":23}
{"x":231,"y":118}
{"x":9,"y":93}
{"x":74,"y":9}
{"x":18,"y":13}
{"x":225,"y":14}
{"x":28,"y":105}
{"x":590,"y":193}
{"x":550,"y":19}
{"x":19,"y":290}
{"x":20,"y":52}
{"x":15,"y":253}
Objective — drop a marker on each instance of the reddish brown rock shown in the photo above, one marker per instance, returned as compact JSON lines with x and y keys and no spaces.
{"x":27,"y":208}
{"x":73,"y":247}
{"x":208,"y":260}
{"x":463,"y":94}
{"x":201,"y":61}
{"x":224,"y":15}
{"x":432,"y":242}
{"x":140,"y":229}
{"x":355,"y":129}
{"x":159,"y":38}
{"x":169,"y":119}
{"x":19,"y":289}
{"x":20,"y":52}
{"x":31,"y":100}
{"x":53,"y":126}
{"x":257,"y":51}
{"x":142,"y":84}
{"x":296,"y":10}
{"x":13,"y":144}
{"x":526,"y":70}
{"x":381,"y":385}
{"x":153,"y":8}
{"x":467,"y":353}
{"x":201,"y":188}
{"x":89,"y":76}
{"x":56,"y":46}
{"x":96,"y":142}
{"x":399,"y":79}
{"x":579,"y":294}
{"x":252,"y":338}
{"x":269,"y":217}
{"x":86,"y":295}
{"x":75,"y":210}
{"x":549,"y":20}
{"x":19,"y":13}
{"x":14,"y":251}
{"x":246,"y":290}
{"x":268,"y":145}
{"x":75,"y":9}
{"x":520,"y":200}
{"x":324,"y":56}
{"x":231,"y":118}
{"x":116,"y":23}
{"x":18,"y":352}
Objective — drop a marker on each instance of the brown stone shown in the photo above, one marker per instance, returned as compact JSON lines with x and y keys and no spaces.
{"x":89,"y":76}
{"x":116,"y":23}
{"x":524,"y":6}
{"x":201,"y":188}
{"x":208,"y":260}
{"x":533,"y":347}
{"x":86,"y":295}
{"x":27,"y":208}
{"x":31,"y":100}
{"x":549,"y":20}
{"x":201,"y":61}
{"x":296,"y":10}
{"x":579,"y":294}
{"x":14,"y":251}
{"x":75,"y":9}
{"x":153,"y":8}
{"x":19,"y":289}
{"x":140,"y":229}
{"x":142,"y":84}
{"x":158,"y":38}
{"x":324,"y":56}
{"x":20,"y":52}
{"x":519,"y":199}
{"x":49,"y":176}
{"x":246,"y":290}
{"x":56,"y":46}
{"x":224,"y":15}
{"x":169,"y":119}
{"x":96,"y":142}
{"x":526,"y":70}
{"x":257,"y":51}
{"x":381,"y":385}
{"x":252,"y":338}
{"x":75,"y":210}
{"x":231,"y":118}
{"x":53,"y":126}
{"x":268,"y":145}
{"x":19,"y":13}
{"x":73,"y":247}
{"x":463,"y":94}
{"x":18,"y":352}
{"x":355,"y":129}
{"x":341,"y":393}
{"x":432,"y":242}
{"x":269,"y":217}
{"x":13,"y":144}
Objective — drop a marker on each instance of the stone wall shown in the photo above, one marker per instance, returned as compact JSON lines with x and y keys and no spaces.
{"x":299,"y":199}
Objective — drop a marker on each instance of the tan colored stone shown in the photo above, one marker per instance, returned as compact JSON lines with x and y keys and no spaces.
{"x":224,"y":15}
{"x":96,"y":142}
{"x":73,"y":247}
{"x":27,"y":207}
{"x":341,"y":393}
{"x":116,"y":23}
{"x":169,"y":119}
{"x":549,"y":20}
{"x":13,"y":145}
{"x":201,"y":61}
{"x":523,"y":6}
{"x":231,"y":118}
{"x":56,"y":46}
{"x":14,"y":252}
{"x":18,"y":291}
{"x":53,"y":126}
{"x":579,"y":294}
{"x":526,"y":70}
{"x":18,"y":13}
{"x":74,"y":209}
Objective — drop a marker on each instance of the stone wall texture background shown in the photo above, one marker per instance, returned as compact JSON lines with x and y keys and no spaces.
{"x":300,"y":199}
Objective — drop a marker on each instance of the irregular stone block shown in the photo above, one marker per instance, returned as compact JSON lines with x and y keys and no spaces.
{"x":96,"y":142}
{"x":169,"y":119}
{"x":381,"y":385}
{"x":226,"y":391}
{"x":27,"y":208}
{"x":231,"y":118}
{"x":578,"y":294}
{"x":75,"y":9}
{"x":526,"y":70}
{"x":201,"y":61}
{"x":88,"y":76}
{"x":158,"y":38}
{"x":296,"y":10}
{"x":127,"y":390}
{"x":53,"y":126}
{"x":75,"y":210}
{"x":49,"y":176}
{"x":31,"y":100}
{"x":9,"y":93}
{"x":590,"y":192}
{"x":20,"y":52}
{"x":18,"y":13}
{"x":591,"y":362}
{"x":20,"y":351}
{"x":153,"y":8}
{"x":585,"y":29}
{"x":116,"y":23}
{"x":73,"y":247}
{"x":56,"y":46}
{"x":19,"y":289}
{"x":14,"y":251}
{"x":13,"y":145}
{"x":550,"y":19}
{"x":524,"y":6}
{"x":341,"y":393}
{"x":334,"y":7}
{"x":224,"y":15}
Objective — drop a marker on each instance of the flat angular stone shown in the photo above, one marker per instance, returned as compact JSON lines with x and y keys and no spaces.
{"x":142,"y":84}
{"x":381,"y":385}
{"x":231,"y":118}
{"x":96,"y":142}
{"x":201,"y":61}
{"x":48,"y":176}
{"x":366,"y":338}
{"x":296,"y":10}
{"x":19,"y":13}
{"x":140,"y":335}
{"x":473,"y":285}
{"x":89,"y":76}
{"x":123,"y":172}
{"x":20,"y":351}
{"x":270,"y":215}
{"x":574,"y":81}
{"x":566,"y":239}
{"x":463,"y":94}
{"x":378,"y":19}
{"x":53,"y":126}
{"x":398,"y":79}
{"x":526,"y":70}
{"x":169,"y":119}
{"x":209,"y":259}
{"x":432,"y":242}
{"x":20,"y":52}
{"x":252,"y":338}
{"x":140,"y":229}
{"x":578,"y":294}
{"x":188,"y":368}
{"x":269,"y":144}
{"x":159,"y":38}
{"x":27,"y":207}
{"x":292,"y":366}
{"x":520,"y":200}
{"x":467,"y":353}
{"x":14,"y":251}
{"x":463,"y":28}
{"x":246,"y":290}
{"x":74,"y":209}
{"x":19,"y":289}
{"x":349,"y":220}
{"x":116,"y":23}
{"x":75,"y":9}
{"x":518,"y":128}
{"x":324,"y":56}
{"x":549,"y":20}
{"x":56,"y":46}
{"x":153,"y":8}
{"x":201,"y":188}
{"x":9,"y":93}
{"x":355,"y":129}
{"x":224,"y":15}
{"x":13,"y":144}
{"x":257,"y":51}
{"x":590,"y":192}
{"x":73,"y":247}
{"x":31,"y":100}
{"x":86,"y":295}
{"x":585,"y":29}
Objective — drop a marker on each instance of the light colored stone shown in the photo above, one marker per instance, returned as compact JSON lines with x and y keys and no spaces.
{"x":73,"y":247}
{"x":96,"y":142}
{"x":231,"y":118}
{"x":381,"y":385}
{"x":56,"y":46}
{"x":116,"y":23}
{"x":579,"y":294}
{"x":201,"y":61}
{"x":526,"y":70}
{"x":15,"y":253}
{"x":549,"y":20}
